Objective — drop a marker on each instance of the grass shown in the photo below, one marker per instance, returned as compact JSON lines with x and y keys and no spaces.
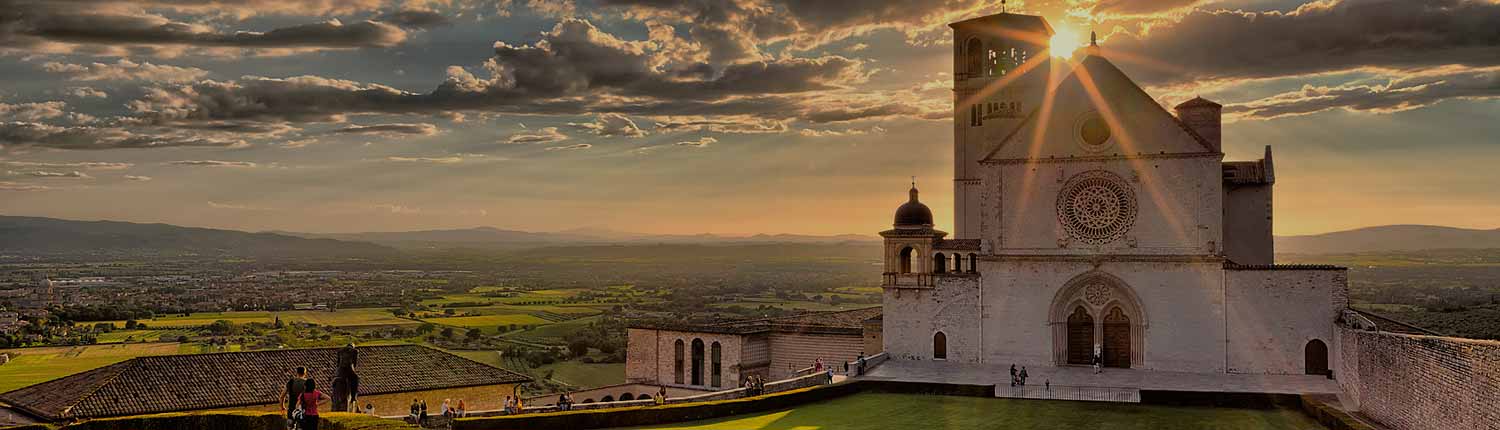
{"x":32,"y":365}
{"x":120,"y":336}
{"x":487,"y":323}
{"x":586,"y":374}
{"x":340,"y":318}
{"x":910,"y":411}
{"x":558,"y":330}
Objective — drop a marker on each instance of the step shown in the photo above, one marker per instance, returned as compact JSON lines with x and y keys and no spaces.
{"x":1067,"y":392}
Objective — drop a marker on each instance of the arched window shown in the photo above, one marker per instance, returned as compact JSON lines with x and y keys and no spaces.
{"x":958,"y":263}
{"x":905,"y":258}
{"x":627,"y":397}
{"x":677,"y":362}
{"x":713,"y":354}
{"x":939,"y":263}
{"x":697,"y":362}
{"x":973,"y":263}
{"x":975,"y":57}
{"x":940,"y":346}
{"x":1316,"y":357}
{"x":607,"y":399}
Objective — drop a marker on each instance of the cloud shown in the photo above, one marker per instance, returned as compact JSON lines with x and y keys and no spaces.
{"x":419,"y":129}
{"x":33,"y":111}
{"x":56,"y":26}
{"x":211,"y":163}
{"x":730,"y":125}
{"x":237,"y":207}
{"x":137,"y":178}
{"x":570,"y":147}
{"x":241,"y":8}
{"x":433,"y":160}
{"x":395,"y":208}
{"x":86,"y":92}
{"x":99,"y":165}
{"x":701,"y":142}
{"x":15,"y":186}
{"x":1323,"y":36}
{"x":125,"y":70}
{"x":841,"y":133}
{"x":545,"y":135}
{"x":23,"y":133}
{"x":611,"y":124}
{"x":415,"y":19}
{"x":46,"y":174}
{"x":1117,"y":8}
{"x":1396,"y":94}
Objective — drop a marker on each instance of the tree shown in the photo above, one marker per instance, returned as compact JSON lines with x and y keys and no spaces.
{"x":447,"y":333}
{"x":474,"y":334}
{"x":578,"y":347}
{"x":131,"y":324}
{"x":426,"y":328}
{"x":221,"y":327}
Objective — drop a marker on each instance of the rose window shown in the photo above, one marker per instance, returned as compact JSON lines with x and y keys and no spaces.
{"x":1096,"y":207}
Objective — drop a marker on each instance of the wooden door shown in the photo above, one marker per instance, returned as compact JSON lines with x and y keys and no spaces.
{"x":1080,"y":337}
{"x":1116,"y":339}
{"x":1316,"y":357}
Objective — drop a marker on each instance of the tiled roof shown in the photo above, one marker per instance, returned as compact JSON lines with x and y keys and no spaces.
{"x":207,"y":381}
{"x":1246,"y":173}
{"x":1232,"y":266}
{"x":957,"y":244}
{"x":824,"y":322}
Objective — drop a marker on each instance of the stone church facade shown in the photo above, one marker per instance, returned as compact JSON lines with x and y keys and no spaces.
{"x":1091,"y":223}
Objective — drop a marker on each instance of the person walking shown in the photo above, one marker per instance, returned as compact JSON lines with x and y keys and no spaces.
{"x":308,"y":401}
{"x":1023,"y":376}
{"x":295,"y":383}
{"x":1012,"y":374}
{"x":861,"y":361}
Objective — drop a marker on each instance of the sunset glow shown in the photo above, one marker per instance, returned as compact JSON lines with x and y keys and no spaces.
{"x":1065,"y":41}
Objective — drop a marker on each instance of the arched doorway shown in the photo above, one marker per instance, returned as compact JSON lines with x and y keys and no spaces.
{"x":939,"y":263}
{"x":906,"y":259}
{"x":940,"y":346}
{"x":973,"y":263}
{"x":1080,"y":337}
{"x":1316,"y":357}
{"x":697,"y":362}
{"x":1116,"y":338}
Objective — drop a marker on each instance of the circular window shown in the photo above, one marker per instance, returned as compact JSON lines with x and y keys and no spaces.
{"x":1096,"y":207}
{"x":1094,"y":132}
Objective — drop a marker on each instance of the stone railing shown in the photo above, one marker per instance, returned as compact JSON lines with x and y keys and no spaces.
{"x":870,"y":363}
{"x":908,"y":280}
{"x":770,"y":387}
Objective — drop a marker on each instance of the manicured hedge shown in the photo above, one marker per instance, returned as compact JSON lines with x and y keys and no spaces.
{"x":1219,"y":399}
{"x":1331,"y":417}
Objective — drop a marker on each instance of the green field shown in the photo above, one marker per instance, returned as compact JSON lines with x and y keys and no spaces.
{"x":585,"y":374}
{"x":487,"y":323}
{"x":911,"y":411}
{"x":340,"y":318}
{"x":32,"y":365}
{"x":119,"y":336}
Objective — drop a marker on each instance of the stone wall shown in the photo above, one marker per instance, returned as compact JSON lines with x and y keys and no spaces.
{"x":1275,"y":314}
{"x":1247,"y":224}
{"x":650,"y":357}
{"x":478,"y":398}
{"x":1410,"y":382}
{"x":912,"y":317}
{"x":792,"y":351}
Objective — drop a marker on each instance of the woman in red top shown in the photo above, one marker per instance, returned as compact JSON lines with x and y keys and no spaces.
{"x":309,"y":402}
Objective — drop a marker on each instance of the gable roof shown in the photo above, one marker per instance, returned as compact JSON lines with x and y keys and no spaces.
{"x":173,"y":383}
{"x":839,"y":322}
{"x":1125,"y":97}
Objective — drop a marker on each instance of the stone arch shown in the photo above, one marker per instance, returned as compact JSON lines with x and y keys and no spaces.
{"x":716,"y":376}
{"x":905,"y":259}
{"x":958,"y":263}
{"x":973,"y":263}
{"x":974,"y":57}
{"x":677,"y":357}
{"x":939,"y":346}
{"x":643,"y":396}
{"x":627,"y":397}
{"x":1098,"y":293}
{"x":1315,"y":357}
{"x":697,"y":366}
{"x":607,"y":399}
{"x":588,"y":400}
{"x":939,"y":263}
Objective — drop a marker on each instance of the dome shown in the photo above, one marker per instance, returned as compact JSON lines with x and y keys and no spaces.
{"x":913,"y":213}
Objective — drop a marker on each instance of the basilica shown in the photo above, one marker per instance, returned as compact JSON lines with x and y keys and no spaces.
{"x":1092,"y":225}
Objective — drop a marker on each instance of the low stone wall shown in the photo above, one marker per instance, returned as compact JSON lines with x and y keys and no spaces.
{"x":239,"y":420}
{"x":1412,"y":382}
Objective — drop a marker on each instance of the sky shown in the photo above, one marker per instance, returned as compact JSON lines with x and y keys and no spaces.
{"x":692,"y":116}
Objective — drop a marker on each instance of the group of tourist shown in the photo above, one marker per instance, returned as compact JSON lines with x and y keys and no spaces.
{"x":753,"y":385}
{"x":1019,"y":378}
{"x":418,"y":410}
{"x":513,"y":405}
{"x":300,"y":400}
{"x":451,"y":410}
{"x":565,"y":401}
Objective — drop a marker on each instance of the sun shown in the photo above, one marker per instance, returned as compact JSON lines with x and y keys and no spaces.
{"x":1065,"y":41}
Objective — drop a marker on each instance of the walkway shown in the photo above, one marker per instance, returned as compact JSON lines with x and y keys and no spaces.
{"x":986,"y":374}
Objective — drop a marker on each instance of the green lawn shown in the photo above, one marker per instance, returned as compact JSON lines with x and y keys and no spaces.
{"x":340,"y":318}
{"x":911,"y":411}
{"x":585,"y":374}
{"x":32,"y":365}
{"x":487,"y":323}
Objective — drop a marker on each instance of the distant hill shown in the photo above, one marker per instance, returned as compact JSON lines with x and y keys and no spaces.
{"x":51,"y":236}
{"x":493,"y":237}
{"x":1389,"y":238}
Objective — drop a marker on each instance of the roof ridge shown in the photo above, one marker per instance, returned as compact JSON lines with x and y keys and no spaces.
{"x":471,"y":360}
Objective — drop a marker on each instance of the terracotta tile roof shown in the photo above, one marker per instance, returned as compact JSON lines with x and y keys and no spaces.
{"x":851,"y":321}
{"x":207,"y":381}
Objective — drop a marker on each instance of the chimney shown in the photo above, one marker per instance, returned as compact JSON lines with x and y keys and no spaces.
{"x":1203,"y":117}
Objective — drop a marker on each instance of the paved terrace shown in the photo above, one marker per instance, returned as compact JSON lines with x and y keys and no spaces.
{"x":985,"y":374}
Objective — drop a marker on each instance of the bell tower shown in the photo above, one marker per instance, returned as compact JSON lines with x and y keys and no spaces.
{"x":1001,"y":71}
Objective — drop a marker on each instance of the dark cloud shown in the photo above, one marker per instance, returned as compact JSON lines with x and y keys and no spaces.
{"x":1398,"y":94}
{"x":125,"y":70}
{"x":420,"y":129}
{"x":1139,"y":7}
{"x":21,"y":133}
{"x":415,"y":19}
{"x":1325,"y":36}
{"x":27,"y":24}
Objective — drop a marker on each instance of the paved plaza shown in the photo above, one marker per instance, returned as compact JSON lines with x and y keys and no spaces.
{"x":1072,"y":377}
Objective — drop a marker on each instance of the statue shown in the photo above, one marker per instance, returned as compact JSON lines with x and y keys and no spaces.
{"x":346,"y":381}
